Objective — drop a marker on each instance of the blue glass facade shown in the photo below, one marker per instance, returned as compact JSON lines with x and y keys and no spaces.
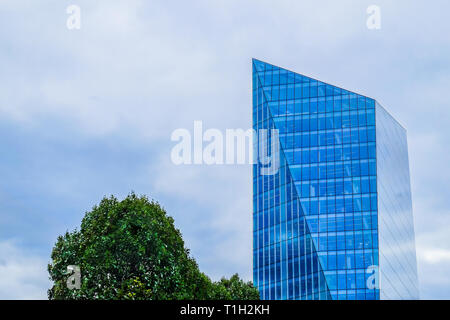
{"x":398,"y":267}
{"x":316,"y":220}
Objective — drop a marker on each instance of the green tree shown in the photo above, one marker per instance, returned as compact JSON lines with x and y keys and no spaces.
{"x":131,"y":249}
{"x":234,"y":289}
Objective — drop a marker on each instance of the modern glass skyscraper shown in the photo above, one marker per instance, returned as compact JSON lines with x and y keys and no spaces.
{"x":335,"y":220}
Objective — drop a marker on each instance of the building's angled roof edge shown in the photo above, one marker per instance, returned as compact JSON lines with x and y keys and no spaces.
{"x":327,"y":83}
{"x":377,"y":103}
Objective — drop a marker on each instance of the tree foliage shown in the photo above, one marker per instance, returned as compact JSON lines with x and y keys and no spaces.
{"x":234,"y":289}
{"x":131,"y":249}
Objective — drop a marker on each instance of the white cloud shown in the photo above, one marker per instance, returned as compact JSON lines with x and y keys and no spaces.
{"x":23,"y":275}
{"x":433,"y":256}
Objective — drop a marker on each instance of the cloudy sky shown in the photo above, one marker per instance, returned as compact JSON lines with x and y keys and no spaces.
{"x":87,"y":113}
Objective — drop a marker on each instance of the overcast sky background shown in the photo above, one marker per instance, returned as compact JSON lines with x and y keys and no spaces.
{"x":87,"y":113}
